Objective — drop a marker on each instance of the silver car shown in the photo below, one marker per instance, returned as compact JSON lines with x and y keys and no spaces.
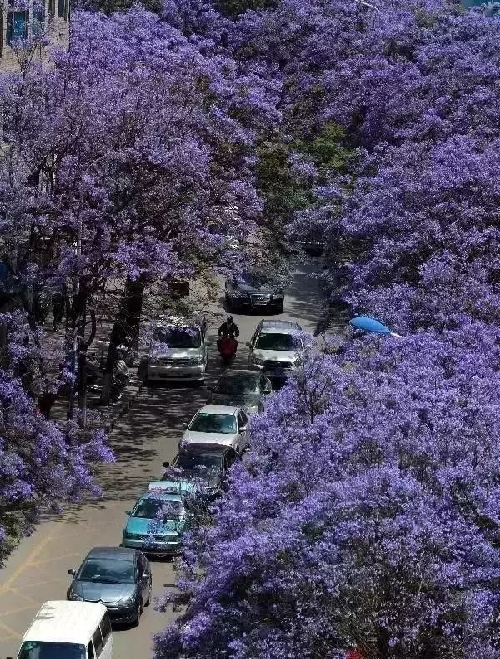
{"x":275,"y":348}
{"x":226,"y":425}
{"x":178,"y":352}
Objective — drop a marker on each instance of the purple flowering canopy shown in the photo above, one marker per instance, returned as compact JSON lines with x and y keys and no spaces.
{"x":366,"y":514}
{"x":130,"y":158}
{"x":41,"y":465}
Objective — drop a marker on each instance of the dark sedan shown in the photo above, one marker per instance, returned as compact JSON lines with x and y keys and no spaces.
{"x":253,"y":291}
{"x":118,"y":577}
{"x":208,"y":463}
{"x":243,"y":388}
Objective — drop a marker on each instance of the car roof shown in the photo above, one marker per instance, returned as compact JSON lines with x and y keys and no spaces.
{"x":115,"y":553}
{"x":159,"y":494}
{"x":177,"y":321}
{"x":205,"y":449}
{"x":219,"y":409}
{"x":171,"y":486}
{"x":281,"y":325}
{"x":60,"y":621}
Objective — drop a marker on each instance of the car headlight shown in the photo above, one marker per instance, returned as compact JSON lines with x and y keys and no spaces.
{"x":257,"y":360}
{"x":153,"y":361}
{"x":237,"y":293}
{"x":196,"y":360}
{"x":128,"y":601}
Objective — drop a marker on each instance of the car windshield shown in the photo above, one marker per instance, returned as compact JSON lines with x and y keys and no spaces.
{"x":275,"y":341}
{"x":238,"y":385}
{"x":46,"y":650}
{"x":102,"y":570}
{"x":222,"y":423}
{"x":257,"y":279}
{"x":154,"y":508}
{"x":199,"y":462}
{"x":178,"y":337}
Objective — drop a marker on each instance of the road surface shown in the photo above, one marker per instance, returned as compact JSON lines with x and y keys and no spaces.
{"x":142,"y":440}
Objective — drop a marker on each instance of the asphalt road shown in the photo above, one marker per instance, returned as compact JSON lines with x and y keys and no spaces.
{"x":142,"y":440}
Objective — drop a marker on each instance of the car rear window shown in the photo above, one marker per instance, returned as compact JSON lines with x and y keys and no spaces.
{"x":237,"y":385}
{"x":220,"y":423}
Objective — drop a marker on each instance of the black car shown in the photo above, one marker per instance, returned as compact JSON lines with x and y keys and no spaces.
{"x":118,"y":577}
{"x":243,"y":388}
{"x":210,"y":463}
{"x":254,"y":291}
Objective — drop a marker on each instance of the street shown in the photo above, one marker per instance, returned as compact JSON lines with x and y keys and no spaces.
{"x":142,"y":440}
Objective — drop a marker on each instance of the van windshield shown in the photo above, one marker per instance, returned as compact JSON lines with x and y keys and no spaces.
{"x":46,"y":650}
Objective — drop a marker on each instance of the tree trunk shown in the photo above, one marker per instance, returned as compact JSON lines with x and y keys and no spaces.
{"x":125,"y":330}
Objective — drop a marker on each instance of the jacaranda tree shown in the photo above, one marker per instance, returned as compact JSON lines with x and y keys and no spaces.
{"x":366,"y":514}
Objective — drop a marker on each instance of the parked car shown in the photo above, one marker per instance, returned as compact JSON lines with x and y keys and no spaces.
{"x":178,"y":351}
{"x":247,"y":389}
{"x":78,"y":630}
{"x":119,"y":578}
{"x":206,"y":464}
{"x":157,"y":521}
{"x":254,"y":290}
{"x":218,"y":424}
{"x":275,"y":348}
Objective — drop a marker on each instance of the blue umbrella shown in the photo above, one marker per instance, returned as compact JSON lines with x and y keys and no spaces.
{"x":369,"y":325}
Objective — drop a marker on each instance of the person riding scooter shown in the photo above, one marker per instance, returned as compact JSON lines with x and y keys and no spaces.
{"x":227,"y":343}
{"x":229,"y":328}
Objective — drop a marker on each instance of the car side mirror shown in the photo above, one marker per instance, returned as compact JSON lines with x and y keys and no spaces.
{"x":145,"y":575}
{"x":184,"y":426}
{"x":72,"y":571}
{"x":166,"y":464}
{"x":243,"y":428}
{"x":128,"y":512}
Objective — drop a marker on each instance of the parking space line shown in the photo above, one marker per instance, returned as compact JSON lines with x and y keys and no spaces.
{"x":9,"y":630}
{"x":11,"y":633}
{"x":5,"y":587}
{"x":41,"y":562}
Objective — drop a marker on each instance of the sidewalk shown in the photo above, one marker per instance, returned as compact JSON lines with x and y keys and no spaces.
{"x":105,"y":416}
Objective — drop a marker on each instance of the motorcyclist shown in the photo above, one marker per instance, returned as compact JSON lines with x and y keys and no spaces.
{"x":229,"y":328}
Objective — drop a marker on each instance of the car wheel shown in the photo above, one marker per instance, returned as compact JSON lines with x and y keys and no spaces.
{"x":150,"y":590}
{"x":138,"y":613}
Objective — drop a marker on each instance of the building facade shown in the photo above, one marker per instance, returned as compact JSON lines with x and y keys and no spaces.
{"x":22,"y":21}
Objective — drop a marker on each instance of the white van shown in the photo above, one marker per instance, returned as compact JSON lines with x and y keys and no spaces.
{"x":69,"y":630}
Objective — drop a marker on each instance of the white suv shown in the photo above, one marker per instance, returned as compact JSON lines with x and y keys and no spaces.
{"x":178,"y":352}
{"x":275,"y":348}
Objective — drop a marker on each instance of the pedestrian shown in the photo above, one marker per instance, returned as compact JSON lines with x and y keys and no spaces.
{"x":57,"y":309}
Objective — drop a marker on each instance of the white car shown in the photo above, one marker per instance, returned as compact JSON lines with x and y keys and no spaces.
{"x":218,"y":424}
{"x":178,"y":352}
{"x":275,"y":348}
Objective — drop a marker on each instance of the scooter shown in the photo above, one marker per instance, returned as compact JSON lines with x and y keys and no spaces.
{"x":227,"y":346}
